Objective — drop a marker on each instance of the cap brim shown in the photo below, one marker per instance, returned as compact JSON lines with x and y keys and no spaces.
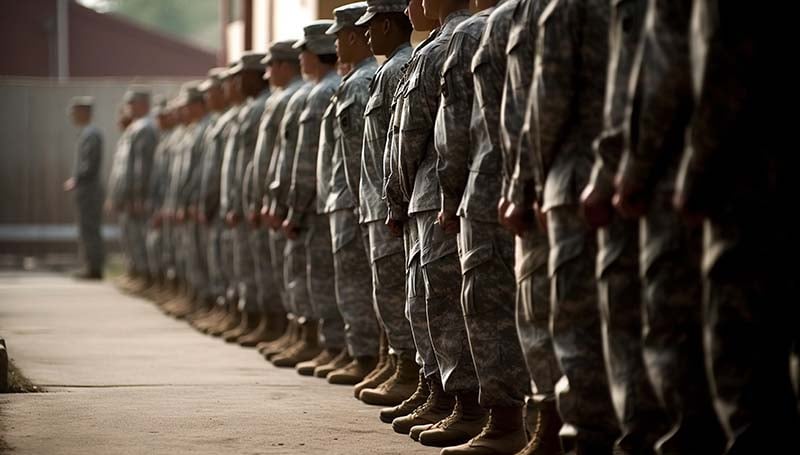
{"x":267,"y":59}
{"x":364,"y":20}
{"x":235,"y":70}
{"x":333,"y":29}
{"x":300,"y":44}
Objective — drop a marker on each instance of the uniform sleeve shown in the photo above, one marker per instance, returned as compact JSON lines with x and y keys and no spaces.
{"x":350,"y":116}
{"x":421,"y":99}
{"x":303,"y":187}
{"x":454,"y":118}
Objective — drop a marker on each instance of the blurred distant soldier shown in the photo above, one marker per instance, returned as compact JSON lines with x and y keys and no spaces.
{"x":85,"y":181}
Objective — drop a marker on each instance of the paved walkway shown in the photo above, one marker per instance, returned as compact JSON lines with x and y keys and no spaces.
{"x":123,"y":378}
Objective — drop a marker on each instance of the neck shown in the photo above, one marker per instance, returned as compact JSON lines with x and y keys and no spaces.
{"x":323,"y":70}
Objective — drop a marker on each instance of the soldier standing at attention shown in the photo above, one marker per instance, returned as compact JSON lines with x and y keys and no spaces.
{"x":85,"y":182}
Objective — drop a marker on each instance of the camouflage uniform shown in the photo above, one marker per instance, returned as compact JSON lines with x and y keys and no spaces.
{"x":516,"y":37}
{"x":294,"y":260}
{"x":354,"y":290}
{"x":244,"y":268}
{"x":268,"y":271}
{"x":566,"y":108}
{"x":157,"y":241}
{"x":670,"y":250}
{"x":180,"y":155}
{"x":397,"y":208}
{"x":420,"y":187}
{"x":89,"y":197}
{"x":195,"y":240}
{"x":486,"y":250}
{"x":385,"y":252}
{"x":271,"y":139}
{"x":216,"y":138}
{"x":226,"y":203}
{"x":640,"y":416}
{"x":129,"y":187}
{"x":733,"y":165}
{"x":304,"y":206}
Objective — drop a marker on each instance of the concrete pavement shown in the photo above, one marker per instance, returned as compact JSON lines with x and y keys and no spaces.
{"x":123,"y":378}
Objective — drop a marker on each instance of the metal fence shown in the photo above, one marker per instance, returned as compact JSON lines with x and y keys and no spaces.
{"x":37,"y":152}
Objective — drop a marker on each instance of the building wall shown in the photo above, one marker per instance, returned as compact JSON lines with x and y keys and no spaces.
{"x":38,"y":151}
{"x":99,"y":45}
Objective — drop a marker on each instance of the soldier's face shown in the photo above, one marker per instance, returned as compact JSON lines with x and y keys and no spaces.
{"x":80,"y":115}
{"x":344,"y":43}
{"x":309,"y":62}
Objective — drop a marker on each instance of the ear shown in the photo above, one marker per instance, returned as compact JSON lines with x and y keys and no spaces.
{"x":387,"y":26}
{"x":352,"y":37}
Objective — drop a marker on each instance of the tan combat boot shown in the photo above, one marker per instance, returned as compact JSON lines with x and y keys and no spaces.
{"x":248,"y":323}
{"x":306,"y":349}
{"x":340,"y":361}
{"x":383,"y":357}
{"x":544,"y":439}
{"x":420,"y":395}
{"x":229,"y":322}
{"x":398,"y":387}
{"x":307,"y":368}
{"x":504,"y":434}
{"x":464,"y":423}
{"x":257,"y":335}
{"x":290,"y":337}
{"x":438,"y":406}
{"x":354,"y":372}
{"x":378,"y":377}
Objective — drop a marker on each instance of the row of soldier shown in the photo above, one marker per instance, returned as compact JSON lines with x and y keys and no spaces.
{"x":546,"y":200}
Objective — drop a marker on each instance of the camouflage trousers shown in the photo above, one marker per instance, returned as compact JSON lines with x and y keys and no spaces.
{"x":583,"y":395}
{"x":216,"y":282}
{"x":177,"y":265}
{"x":441,"y":271}
{"x":388,"y":286}
{"x":277,"y":246}
{"x":227,"y":248}
{"x":90,"y":218}
{"x":673,"y":346}
{"x":196,"y":267}
{"x":487,"y":301}
{"x":321,"y":281}
{"x":268,"y":294}
{"x":639,"y":413}
{"x":244,"y":270}
{"x":416,"y":311}
{"x":156,"y":259}
{"x":533,"y":313}
{"x":354,"y":284}
{"x":749,"y":331}
{"x":134,"y":231}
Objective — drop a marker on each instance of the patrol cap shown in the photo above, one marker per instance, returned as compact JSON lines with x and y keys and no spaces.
{"x":136,"y":93}
{"x":249,"y":61}
{"x":159,"y":105}
{"x":315,"y":40}
{"x":190,"y":93}
{"x":81,"y":101}
{"x":282,"y":51}
{"x":346,"y":16}
{"x":375,"y":7}
{"x":213,"y":79}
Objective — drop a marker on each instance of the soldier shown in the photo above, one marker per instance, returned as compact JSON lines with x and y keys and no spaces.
{"x":283,"y":69}
{"x":670,"y":256}
{"x":85,"y":182}
{"x":218,"y":100}
{"x":640,"y":416}
{"x":388,"y":34}
{"x":398,"y":226}
{"x":470,"y":188}
{"x":531,"y":244}
{"x":130,"y":182}
{"x":733,"y":165}
{"x":351,"y":266}
{"x":157,"y":241}
{"x":248,"y":73}
{"x":301,"y":329}
{"x":564,"y":118}
{"x":455,"y":389}
{"x":232,"y":88}
{"x":306,"y":228}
